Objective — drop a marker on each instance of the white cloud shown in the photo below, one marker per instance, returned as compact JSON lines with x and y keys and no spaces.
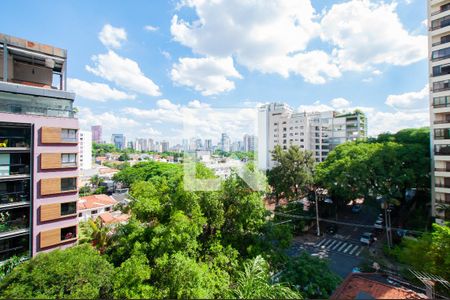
{"x":380,"y":122}
{"x":207,"y":121}
{"x":365,"y":34}
{"x":266,"y":36}
{"x":315,"y":107}
{"x":96,"y":91}
{"x":340,"y":103}
{"x":151,"y":28}
{"x":166,"y":55}
{"x":124,"y":72}
{"x":409,"y":100}
{"x":112,"y":36}
{"x":207,"y":75}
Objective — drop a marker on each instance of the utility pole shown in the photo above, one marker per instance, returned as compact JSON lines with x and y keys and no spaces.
{"x":386,"y":224}
{"x":317,"y":212}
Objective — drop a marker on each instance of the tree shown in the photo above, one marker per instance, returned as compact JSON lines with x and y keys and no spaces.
{"x":124,"y":157}
{"x":183,"y":277}
{"x":311,"y":275}
{"x":101,"y":234}
{"x":253,"y":282}
{"x":132,"y":279}
{"x":292,"y":175}
{"x":96,"y":180}
{"x":77,"y":272}
{"x":434,"y":246}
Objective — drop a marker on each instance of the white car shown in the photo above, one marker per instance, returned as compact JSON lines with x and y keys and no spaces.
{"x":378,"y":224}
{"x":367,"y":238}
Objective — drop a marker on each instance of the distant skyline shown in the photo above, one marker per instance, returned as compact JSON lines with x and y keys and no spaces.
{"x":145,"y":69}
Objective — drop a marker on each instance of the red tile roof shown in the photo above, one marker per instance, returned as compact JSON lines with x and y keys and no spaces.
{"x":95,"y":201}
{"x":356,"y":283}
{"x":109,"y":218}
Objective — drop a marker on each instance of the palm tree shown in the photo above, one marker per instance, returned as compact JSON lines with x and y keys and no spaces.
{"x":254,"y":283}
{"x":101,"y":234}
{"x":96,"y":180}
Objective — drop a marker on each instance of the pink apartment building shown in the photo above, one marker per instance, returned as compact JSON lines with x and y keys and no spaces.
{"x":38,"y":150}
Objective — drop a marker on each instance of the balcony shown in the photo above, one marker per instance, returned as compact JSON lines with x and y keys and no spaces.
{"x":441,"y":121}
{"x":14,"y":199}
{"x":14,"y":221}
{"x":440,"y":23}
{"x":16,"y":246}
{"x":441,"y":10}
{"x":17,"y":108}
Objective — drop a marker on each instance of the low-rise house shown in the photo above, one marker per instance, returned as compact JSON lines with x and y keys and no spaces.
{"x":114,"y":218}
{"x":372,"y":286}
{"x":90,"y":207}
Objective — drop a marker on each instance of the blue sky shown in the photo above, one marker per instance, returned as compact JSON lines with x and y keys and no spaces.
{"x":148,"y":68}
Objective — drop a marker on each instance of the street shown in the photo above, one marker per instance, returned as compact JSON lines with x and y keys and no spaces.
{"x":343,"y":249}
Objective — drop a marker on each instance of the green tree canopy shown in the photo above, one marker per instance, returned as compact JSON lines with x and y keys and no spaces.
{"x":77,"y":272}
{"x":292,"y":175}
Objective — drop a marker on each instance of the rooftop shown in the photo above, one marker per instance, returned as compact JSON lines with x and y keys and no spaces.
{"x":113,"y":218}
{"x":363,"y":285}
{"x":95,"y":201}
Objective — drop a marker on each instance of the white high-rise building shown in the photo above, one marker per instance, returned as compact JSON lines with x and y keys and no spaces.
{"x":85,"y":144}
{"x":249,"y":144}
{"x":225,"y":143}
{"x":318,"y":132}
{"x":439,"y":70}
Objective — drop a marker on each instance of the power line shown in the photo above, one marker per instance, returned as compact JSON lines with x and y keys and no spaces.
{"x":341,"y":223}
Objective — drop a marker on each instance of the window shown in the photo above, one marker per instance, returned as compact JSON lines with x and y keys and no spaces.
{"x":441,"y":70}
{"x":68,"y":208}
{"x":443,"y":101}
{"x":93,"y":212}
{"x":69,"y":159}
{"x":440,"y":54}
{"x":69,"y":135}
{"x":107,"y":208}
{"x":68,"y":233}
{"x":80,"y":215}
{"x":68,"y":184}
{"x":441,"y":22}
{"x":441,"y":85}
{"x":441,"y":134}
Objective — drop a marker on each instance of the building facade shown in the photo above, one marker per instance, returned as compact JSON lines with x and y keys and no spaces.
{"x":249,"y":144}
{"x":118,"y":140}
{"x":318,"y":132}
{"x":165,"y":146}
{"x":225,"y":143}
{"x":85,"y":143}
{"x":97,"y":134}
{"x":439,"y":71}
{"x":38,"y":150}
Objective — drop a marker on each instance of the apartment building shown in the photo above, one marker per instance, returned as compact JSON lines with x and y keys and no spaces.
{"x":119,"y":141}
{"x":249,"y":143}
{"x":439,"y":72}
{"x":318,"y":132}
{"x":85,"y":143}
{"x":38,"y":150}
{"x":97,"y":134}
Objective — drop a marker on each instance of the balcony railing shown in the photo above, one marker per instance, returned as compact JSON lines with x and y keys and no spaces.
{"x":445,"y":8}
{"x":12,"y":198}
{"x":440,"y":43}
{"x":441,"y":121}
{"x":442,"y":169}
{"x":442,"y":185}
{"x":13,"y":225}
{"x":441,"y":105}
{"x":36,"y":110}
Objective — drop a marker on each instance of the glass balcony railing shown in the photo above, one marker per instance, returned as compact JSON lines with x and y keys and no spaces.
{"x":36,"y":110}
{"x":16,"y":246}
{"x":13,"y":225}
{"x":12,"y":198}
{"x":441,"y":10}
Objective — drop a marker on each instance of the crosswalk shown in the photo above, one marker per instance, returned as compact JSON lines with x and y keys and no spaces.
{"x":341,"y":246}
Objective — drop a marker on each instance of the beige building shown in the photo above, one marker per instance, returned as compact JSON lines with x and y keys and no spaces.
{"x":319,"y":132}
{"x":439,"y":70}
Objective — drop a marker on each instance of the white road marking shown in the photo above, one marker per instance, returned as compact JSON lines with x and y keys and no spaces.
{"x":353,"y":250}
{"x":342,"y":247}
{"x":330,"y":245}
{"x":320,"y":243}
{"x":359,"y":252}
{"x":349,"y":246}
{"x":337,"y":245}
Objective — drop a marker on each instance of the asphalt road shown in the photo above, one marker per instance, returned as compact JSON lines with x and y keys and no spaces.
{"x":343,"y":250}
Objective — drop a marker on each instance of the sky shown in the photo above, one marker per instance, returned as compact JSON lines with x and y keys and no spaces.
{"x":153,"y":69}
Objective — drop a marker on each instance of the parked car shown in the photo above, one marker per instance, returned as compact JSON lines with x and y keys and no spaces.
{"x":378,"y":224}
{"x":332,"y":229}
{"x":367,"y":238}
{"x":356,"y":208}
